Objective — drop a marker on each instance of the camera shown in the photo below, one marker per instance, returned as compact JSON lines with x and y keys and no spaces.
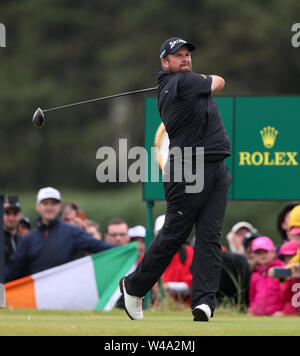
{"x":280,"y":272}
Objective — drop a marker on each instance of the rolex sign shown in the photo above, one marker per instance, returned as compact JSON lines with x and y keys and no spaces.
{"x":265,"y":140}
{"x":267,"y":158}
{"x":266,"y":148}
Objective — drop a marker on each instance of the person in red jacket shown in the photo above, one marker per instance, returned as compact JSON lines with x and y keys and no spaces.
{"x":177,"y":278}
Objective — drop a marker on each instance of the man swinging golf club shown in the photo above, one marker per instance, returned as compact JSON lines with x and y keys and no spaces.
{"x":192,"y":119}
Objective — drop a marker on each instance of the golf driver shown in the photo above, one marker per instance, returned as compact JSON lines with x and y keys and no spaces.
{"x":38,"y":118}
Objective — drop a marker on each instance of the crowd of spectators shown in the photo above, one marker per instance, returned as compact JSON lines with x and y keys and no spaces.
{"x":273,"y":287}
{"x":255,"y":273}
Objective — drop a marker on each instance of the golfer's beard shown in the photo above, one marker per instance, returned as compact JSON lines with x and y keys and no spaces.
{"x":186,"y":68}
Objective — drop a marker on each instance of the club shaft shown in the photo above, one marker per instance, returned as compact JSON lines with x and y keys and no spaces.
{"x":103,"y":98}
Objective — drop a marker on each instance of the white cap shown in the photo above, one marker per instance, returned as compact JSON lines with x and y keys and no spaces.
{"x":242,"y":224}
{"x":234,"y":230}
{"x":159,"y":223}
{"x":137,"y":231}
{"x":48,"y":193}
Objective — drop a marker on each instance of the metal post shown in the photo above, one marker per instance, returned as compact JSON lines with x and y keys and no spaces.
{"x":149,"y":238}
{"x":149,"y":234}
{"x":2,"y":255}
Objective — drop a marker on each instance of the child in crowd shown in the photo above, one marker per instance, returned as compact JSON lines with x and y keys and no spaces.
{"x":265,"y":295}
{"x":287,"y":252}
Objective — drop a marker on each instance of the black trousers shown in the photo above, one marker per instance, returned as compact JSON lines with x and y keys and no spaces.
{"x":206,"y":210}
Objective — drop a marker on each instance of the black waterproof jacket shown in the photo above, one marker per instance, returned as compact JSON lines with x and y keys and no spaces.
{"x":190,"y":114}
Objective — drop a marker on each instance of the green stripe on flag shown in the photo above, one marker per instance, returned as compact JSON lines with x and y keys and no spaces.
{"x":110,"y":266}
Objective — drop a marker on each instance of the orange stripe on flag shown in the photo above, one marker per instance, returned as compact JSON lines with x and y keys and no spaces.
{"x":20,"y":293}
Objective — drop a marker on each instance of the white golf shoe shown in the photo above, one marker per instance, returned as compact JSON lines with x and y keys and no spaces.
{"x":201,"y":312}
{"x":133,"y":305}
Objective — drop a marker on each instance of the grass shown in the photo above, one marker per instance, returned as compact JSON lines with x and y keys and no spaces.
{"x":155,"y":323}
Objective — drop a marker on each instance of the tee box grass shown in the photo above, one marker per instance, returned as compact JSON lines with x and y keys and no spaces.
{"x":155,"y":323}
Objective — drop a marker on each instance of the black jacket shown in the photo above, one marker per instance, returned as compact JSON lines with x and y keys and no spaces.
{"x":50,"y":246}
{"x":235,"y":279}
{"x":190,"y":114}
{"x":10,"y":244}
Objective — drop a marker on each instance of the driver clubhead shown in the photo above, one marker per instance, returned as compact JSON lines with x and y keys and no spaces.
{"x":38,"y":118}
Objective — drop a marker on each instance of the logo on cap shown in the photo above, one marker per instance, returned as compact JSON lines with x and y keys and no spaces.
{"x":173,"y":43}
{"x":163,"y":54}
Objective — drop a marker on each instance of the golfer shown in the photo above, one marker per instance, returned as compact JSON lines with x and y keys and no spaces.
{"x":192,"y":119}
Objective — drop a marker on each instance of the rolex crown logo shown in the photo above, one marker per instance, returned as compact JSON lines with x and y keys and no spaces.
{"x":269,"y":135}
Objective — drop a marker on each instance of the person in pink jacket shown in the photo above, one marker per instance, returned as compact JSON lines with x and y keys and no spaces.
{"x":265,"y":297}
{"x":287,"y":251}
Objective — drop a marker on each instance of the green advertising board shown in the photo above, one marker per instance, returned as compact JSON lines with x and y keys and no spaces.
{"x":266,"y":148}
{"x":264,"y":133}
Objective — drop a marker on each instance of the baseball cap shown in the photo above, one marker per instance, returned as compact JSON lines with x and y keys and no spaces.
{"x":289,"y":248}
{"x":238,"y":226}
{"x":12,"y":202}
{"x":172,"y":45}
{"x":295,"y":230}
{"x":262,"y":243}
{"x":241,"y":225}
{"x":249,"y":237}
{"x":295,"y":217}
{"x":25,"y":220}
{"x":137,"y":231}
{"x":48,"y":193}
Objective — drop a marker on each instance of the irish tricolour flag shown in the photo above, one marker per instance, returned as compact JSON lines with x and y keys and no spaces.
{"x":87,"y":283}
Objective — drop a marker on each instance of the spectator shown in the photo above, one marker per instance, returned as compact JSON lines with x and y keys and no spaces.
{"x":265,"y":293}
{"x":234,"y":280}
{"x":236,"y":235}
{"x":93,"y":229}
{"x":52,"y":243}
{"x":71,"y":214}
{"x":138,"y":233}
{"x":247,"y":243}
{"x":24,"y":226}
{"x":117,"y":232}
{"x":294,"y":224}
{"x":177,"y":278}
{"x":283,"y":222}
{"x":288,"y":251}
{"x":12,"y":216}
